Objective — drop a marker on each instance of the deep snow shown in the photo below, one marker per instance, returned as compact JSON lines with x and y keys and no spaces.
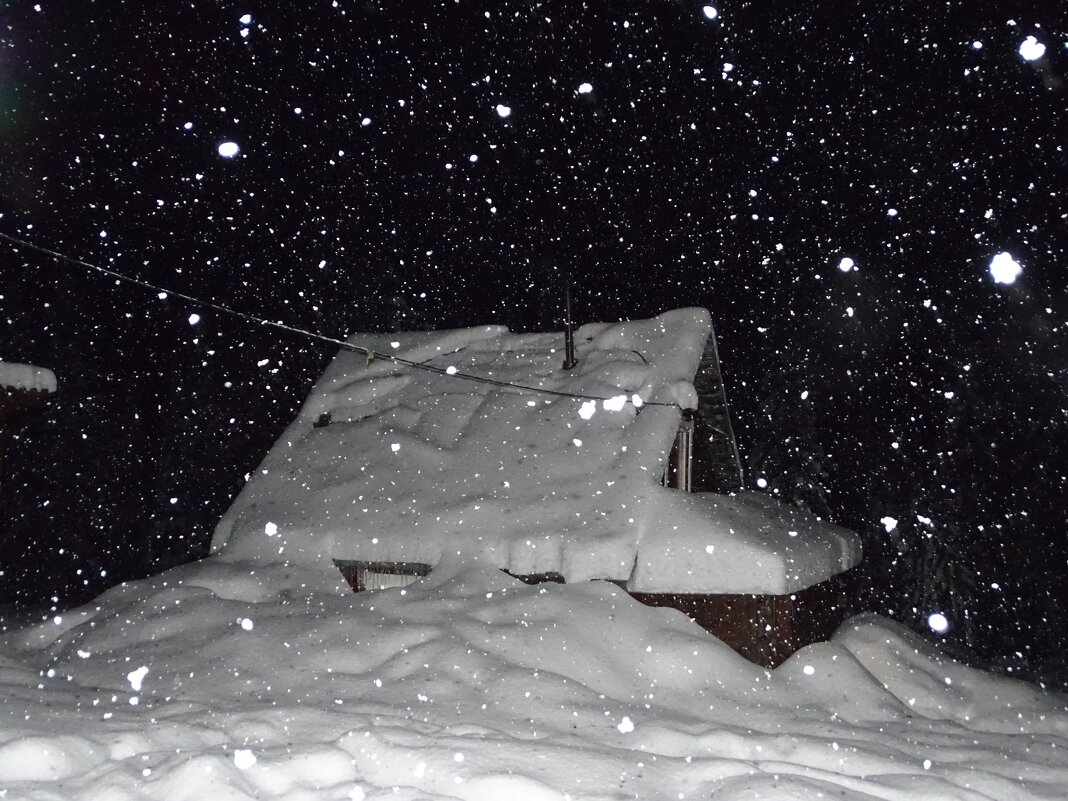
{"x":257,"y":674}
{"x":548,"y":470}
{"x":227,"y":681}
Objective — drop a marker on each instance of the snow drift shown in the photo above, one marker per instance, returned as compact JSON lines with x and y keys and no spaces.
{"x":221,"y":681}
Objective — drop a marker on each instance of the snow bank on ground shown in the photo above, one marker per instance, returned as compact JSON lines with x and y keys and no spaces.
{"x":228,"y":682}
{"x":938,"y":687}
{"x":417,"y":465}
{"x":26,"y":376}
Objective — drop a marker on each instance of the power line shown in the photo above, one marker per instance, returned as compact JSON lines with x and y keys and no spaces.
{"x":217,"y":306}
{"x":368,"y":352}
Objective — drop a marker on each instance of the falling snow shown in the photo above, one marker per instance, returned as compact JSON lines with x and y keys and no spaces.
{"x":938,"y":622}
{"x":868,"y":200}
{"x":1004,"y":269}
{"x":136,"y":678}
{"x":1031,"y":49}
{"x":244,"y":758}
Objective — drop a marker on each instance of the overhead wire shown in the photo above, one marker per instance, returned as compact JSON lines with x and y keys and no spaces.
{"x":370,"y":353}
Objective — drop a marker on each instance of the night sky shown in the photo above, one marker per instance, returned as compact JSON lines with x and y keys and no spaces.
{"x":438,"y":164}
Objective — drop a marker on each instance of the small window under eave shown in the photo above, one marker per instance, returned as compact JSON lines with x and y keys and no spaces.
{"x":363,"y":576}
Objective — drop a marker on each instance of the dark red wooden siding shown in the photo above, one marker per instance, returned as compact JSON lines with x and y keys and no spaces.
{"x":765,"y":629}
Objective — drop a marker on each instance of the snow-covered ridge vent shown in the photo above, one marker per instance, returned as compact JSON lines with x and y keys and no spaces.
{"x":386,"y":463}
{"x":27,"y":377}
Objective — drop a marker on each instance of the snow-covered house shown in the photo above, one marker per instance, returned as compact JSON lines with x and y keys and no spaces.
{"x":22,"y":387}
{"x":477,"y":444}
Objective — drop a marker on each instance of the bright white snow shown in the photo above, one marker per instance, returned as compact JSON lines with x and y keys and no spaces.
{"x":244,"y":758}
{"x":1004,"y":269}
{"x":417,"y":465}
{"x":136,"y":678}
{"x":938,"y":622}
{"x":27,"y":377}
{"x":1031,"y":49}
{"x":229,"y":149}
{"x":468,"y":684}
{"x":471,"y":685}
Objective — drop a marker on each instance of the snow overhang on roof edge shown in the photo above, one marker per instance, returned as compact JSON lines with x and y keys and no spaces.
{"x":26,"y":377}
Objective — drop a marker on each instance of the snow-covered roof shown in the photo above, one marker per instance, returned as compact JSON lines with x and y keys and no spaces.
{"x":26,"y":377}
{"x":414,"y":465}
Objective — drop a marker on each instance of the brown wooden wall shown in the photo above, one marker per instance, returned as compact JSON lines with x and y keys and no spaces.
{"x":14,"y":401}
{"x":765,"y":629}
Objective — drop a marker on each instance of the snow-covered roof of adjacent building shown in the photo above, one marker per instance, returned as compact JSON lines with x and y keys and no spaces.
{"x":26,"y":377}
{"x":544,"y":470}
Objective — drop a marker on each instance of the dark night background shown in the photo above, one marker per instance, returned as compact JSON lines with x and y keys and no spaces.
{"x":913,"y":387}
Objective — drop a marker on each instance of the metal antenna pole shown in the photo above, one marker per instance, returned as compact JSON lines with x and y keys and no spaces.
{"x":569,"y":335}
